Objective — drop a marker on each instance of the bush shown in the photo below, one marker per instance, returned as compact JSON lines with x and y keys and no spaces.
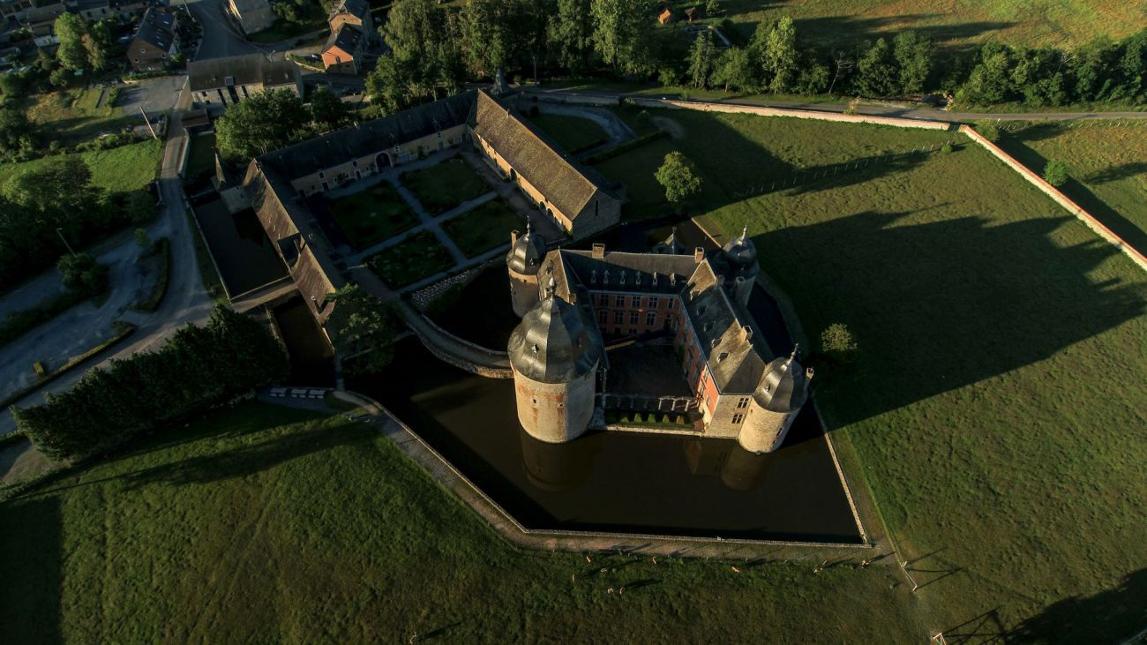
{"x":81,"y":274}
{"x":837,"y":341}
{"x":989,"y":130}
{"x":1057,"y":173}
{"x":197,"y":368}
{"x":946,"y":148}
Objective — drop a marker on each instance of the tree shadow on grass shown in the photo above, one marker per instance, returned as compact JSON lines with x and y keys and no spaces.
{"x":30,"y":559}
{"x":1106,"y":617}
{"x":1116,"y":173}
{"x":940,"y":305}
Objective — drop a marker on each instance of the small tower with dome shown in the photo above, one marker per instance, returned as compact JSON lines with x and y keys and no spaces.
{"x":741,"y":268}
{"x":555,"y":353}
{"x":782,"y":390}
{"x":522,"y":264}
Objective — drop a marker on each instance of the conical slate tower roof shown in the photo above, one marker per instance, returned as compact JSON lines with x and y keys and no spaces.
{"x":526,"y":255}
{"x":784,"y":385}
{"x":555,"y":343}
{"x":741,"y":252}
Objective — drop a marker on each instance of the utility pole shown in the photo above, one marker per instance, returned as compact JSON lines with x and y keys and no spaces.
{"x":60,"y":232}
{"x":148,"y":122}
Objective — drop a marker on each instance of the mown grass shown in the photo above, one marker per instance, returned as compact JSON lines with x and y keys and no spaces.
{"x":373,"y":215}
{"x":72,"y":116}
{"x":572,"y":133}
{"x":484,"y":227}
{"x":265,"y":524}
{"x":1032,"y":23}
{"x":418,"y":256}
{"x":123,"y":169}
{"x":445,"y":185}
{"x":1108,"y":163}
{"x":998,"y":385}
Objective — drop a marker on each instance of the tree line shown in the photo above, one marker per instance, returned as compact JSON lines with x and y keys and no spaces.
{"x":271,"y":120}
{"x":434,"y":49}
{"x":197,"y":368}
{"x":54,"y":202}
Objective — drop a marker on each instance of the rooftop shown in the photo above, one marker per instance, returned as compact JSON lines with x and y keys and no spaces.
{"x":239,"y":70}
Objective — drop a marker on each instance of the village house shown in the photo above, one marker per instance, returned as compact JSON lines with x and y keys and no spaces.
{"x":344,"y":50}
{"x":251,"y":15}
{"x":355,"y":13}
{"x":94,"y":10}
{"x":155,"y":40}
{"x":226,"y":81}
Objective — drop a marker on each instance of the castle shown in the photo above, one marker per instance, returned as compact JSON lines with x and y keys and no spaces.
{"x":571,"y":302}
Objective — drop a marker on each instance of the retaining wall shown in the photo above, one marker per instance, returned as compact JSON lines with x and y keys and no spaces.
{"x":759,"y":110}
{"x":1063,"y":200}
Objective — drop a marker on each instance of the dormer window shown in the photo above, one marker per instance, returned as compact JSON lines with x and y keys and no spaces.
{"x":593,"y":276}
{"x":721,"y":358}
{"x":621,"y":280}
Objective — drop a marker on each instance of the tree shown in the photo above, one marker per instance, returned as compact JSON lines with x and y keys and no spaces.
{"x":780,"y":55}
{"x":914,"y":58}
{"x":363,"y":330}
{"x":702,"y":59}
{"x":570,"y":33}
{"x":424,"y":56}
{"x":838,"y":342}
{"x":58,"y":185}
{"x":98,"y":44}
{"x":80,"y":273}
{"x":262,"y":123}
{"x":622,"y":34}
{"x":988,"y":83}
{"x":1056,"y":172}
{"x":17,"y":136}
{"x":328,"y":112}
{"x":71,"y":29}
{"x":876,"y":71}
{"x":814,"y":76}
{"x":678,"y":176}
{"x":488,"y":39}
{"x":735,"y":70}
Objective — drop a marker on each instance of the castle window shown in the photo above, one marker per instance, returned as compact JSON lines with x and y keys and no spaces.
{"x":633,"y":317}
{"x":653,"y":302}
{"x":722,"y":356}
{"x":672,"y":302}
{"x":743,"y":403}
{"x":618,"y":317}
{"x":620,"y":301}
{"x":738,"y":418}
{"x":636,"y":301}
{"x":650,"y":318}
{"x":593,"y":276}
{"x":621,"y":279}
{"x":602,"y":317}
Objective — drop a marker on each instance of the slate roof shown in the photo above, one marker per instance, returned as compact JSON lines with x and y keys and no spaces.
{"x":346,"y":38}
{"x":566,"y":185}
{"x":526,"y":255}
{"x":242,"y":70}
{"x":371,"y":137}
{"x":356,"y":8}
{"x":784,"y":387}
{"x":250,"y":5}
{"x":726,"y":339}
{"x":556,"y":342}
{"x":157,"y":27}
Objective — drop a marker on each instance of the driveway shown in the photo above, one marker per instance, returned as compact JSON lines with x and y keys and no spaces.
{"x":154,"y":95}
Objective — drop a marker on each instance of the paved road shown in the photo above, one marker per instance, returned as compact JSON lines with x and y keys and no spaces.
{"x":186,"y":300}
{"x":874,"y":108}
{"x":220,"y":37}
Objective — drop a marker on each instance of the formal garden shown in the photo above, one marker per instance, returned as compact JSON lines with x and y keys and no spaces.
{"x":445,"y":185}
{"x":373,"y":215}
{"x":414,"y":258}
{"x":484,"y":227}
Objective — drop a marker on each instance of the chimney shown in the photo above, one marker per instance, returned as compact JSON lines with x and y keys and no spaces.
{"x":598,"y":251}
{"x":513,"y":238}
{"x":698,"y":255}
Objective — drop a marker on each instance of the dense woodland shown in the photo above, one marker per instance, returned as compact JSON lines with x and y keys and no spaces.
{"x":198,"y":367}
{"x":435,"y":49}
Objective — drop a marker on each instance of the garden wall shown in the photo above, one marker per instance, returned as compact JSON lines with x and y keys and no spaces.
{"x":759,"y":110}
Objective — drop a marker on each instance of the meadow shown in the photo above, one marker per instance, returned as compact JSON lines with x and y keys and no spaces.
{"x":117,"y":170}
{"x":78,"y":115}
{"x":267,"y":524}
{"x":996,"y":395}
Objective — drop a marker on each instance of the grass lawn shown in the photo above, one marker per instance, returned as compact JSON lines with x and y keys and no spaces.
{"x":72,"y":115}
{"x":1033,"y":23}
{"x":572,"y":133}
{"x":373,"y":215}
{"x":445,"y":185}
{"x":123,"y":169}
{"x":644,"y":196}
{"x":484,"y":228}
{"x":995,"y":400}
{"x":1109,"y":168}
{"x":417,"y":257}
{"x":262,"y":524}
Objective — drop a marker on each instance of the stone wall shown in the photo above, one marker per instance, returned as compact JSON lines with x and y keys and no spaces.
{"x":1063,"y":200}
{"x":758,"y":110}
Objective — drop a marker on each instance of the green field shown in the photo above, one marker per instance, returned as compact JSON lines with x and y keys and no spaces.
{"x":484,"y":227}
{"x":996,"y":391}
{"x":373,"y":215}
{"x":1031,"y":23}
{"x":419,"y":256}
{"x":572,"y":133}
{"x":72,"y":116}
{"x":445,"y":185}
{"x":261,"y":524}
{"x":122,"y":169}
{"x":1109,"y":168}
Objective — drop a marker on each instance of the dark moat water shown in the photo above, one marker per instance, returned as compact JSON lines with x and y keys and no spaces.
{"x":613,"y":481}
{"x":241,"y":249}
{"x":312,"y":360}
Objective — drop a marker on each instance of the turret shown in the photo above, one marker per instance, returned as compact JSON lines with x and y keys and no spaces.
{"x":522,"y":264}
{"x":782,"y":391}
{"x":554,"y":353}
{"x":740,"y":257}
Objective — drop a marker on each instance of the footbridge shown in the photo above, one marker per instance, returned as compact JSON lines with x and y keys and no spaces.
{"x":453,"y":350}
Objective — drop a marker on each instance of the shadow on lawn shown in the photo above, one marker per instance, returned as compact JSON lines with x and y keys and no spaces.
{"x":1108,"y":616}
{"x":1115,"y":173}
{"x":940,"y":305}
{"x":30,"y":559}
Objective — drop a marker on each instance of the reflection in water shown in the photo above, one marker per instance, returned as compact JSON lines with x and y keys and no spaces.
{"x":556,"y":467}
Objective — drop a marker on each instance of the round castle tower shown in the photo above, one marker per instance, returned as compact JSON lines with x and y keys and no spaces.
{"x":777,"y":400}
{"x":554,"y":353}
{"x":522,"y":263}
{"x":741,"y":255}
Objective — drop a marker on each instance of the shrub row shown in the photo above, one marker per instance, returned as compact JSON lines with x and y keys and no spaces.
{"x":197,"y":368}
